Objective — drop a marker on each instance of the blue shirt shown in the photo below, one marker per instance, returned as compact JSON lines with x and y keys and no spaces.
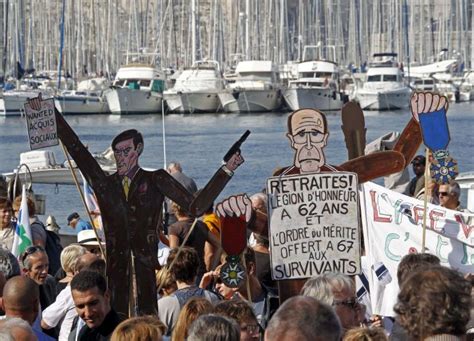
{"x":83,"y":225}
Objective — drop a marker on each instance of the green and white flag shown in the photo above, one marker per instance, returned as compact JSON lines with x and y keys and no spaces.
{"x":22,"y":239}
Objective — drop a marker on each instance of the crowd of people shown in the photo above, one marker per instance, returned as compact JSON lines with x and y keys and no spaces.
{"x":73,"y":301}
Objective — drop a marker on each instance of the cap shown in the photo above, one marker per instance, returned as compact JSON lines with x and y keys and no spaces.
{"x":72,"y":216}
{"x":419,"y":159}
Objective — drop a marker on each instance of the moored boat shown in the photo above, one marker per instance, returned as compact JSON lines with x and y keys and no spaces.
{"x":254,"y":89}
{"x":137,"y":89}
{"x":196,"y":89}
{"x":384,"y":88}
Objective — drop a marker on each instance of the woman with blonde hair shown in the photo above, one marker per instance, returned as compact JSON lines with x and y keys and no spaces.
{"x":194,"y":308}
{"x":143,"y":328}
{"x":365,"y":334}
{"x":69,"y":256}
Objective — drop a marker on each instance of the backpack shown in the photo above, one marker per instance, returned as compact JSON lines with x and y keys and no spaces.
{"x":53,"y":249}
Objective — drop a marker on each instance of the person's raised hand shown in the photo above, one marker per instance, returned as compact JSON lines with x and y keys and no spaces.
{"x":236,"y":205}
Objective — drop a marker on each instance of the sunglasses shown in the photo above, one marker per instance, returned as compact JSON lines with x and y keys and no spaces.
{"x":31,"y":250}
{"x":443,"y":194}
{"x":350,"y":303}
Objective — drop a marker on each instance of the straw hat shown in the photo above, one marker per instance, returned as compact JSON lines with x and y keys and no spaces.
{"x":88,"y":238}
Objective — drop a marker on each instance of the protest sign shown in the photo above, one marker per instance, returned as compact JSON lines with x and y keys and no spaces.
{"x":392,"y":226}
{"x":314,"y":224}
{"x":41,"y":124}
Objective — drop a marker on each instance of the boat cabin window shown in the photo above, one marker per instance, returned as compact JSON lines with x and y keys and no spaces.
{"x":158,"y":85}
{"x":256,"y":74}
{"x":390,"y":78}
{"x":374,"y":78}
{"x":145,"y":82}
{"x":316,"y":75}
{"x":133,"y":84}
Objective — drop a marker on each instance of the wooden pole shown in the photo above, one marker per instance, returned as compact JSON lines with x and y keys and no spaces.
{"x":425,"y":198}
{"x":102,"y":251}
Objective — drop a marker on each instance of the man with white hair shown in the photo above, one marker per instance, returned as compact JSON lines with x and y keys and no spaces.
{"x":449,"y":195}
{"x":338,"y":291}
{"x":14,"y":328}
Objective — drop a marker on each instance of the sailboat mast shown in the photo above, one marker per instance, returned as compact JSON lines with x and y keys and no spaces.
{"x":193,"y":31}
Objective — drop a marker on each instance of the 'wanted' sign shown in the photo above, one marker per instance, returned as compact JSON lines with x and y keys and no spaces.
{"x":314,"y":224}
{"x":42,"y":128}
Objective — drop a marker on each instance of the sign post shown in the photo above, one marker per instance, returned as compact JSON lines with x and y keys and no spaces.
{"x":314,"y":224}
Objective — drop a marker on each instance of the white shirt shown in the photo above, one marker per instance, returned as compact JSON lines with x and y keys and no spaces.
{"x":62,"y":309}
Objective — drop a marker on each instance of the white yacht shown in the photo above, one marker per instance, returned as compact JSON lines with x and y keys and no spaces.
{"x":254,"y":89}
{"x":316,"y":85}
{"x":87,"y":99}
{"x":196,"y":89}
{"x":12,"y":101}
{"x":137,"y":89}
{"x":384,"y":87}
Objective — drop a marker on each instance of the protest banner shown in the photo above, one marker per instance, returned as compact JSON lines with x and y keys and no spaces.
{"x":392,"y":227}
{"x":41,"y":124}
{"x":314,"y":224}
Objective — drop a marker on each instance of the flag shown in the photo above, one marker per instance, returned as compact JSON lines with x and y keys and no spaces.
{"x":22,"y":239}
{"x":92,"y":204}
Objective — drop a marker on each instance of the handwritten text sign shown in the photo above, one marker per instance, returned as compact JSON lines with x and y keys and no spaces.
{"x":314,"y":224}
{"x":42,"y":128}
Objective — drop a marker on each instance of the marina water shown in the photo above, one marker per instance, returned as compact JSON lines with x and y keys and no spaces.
{"x":200,"y":141}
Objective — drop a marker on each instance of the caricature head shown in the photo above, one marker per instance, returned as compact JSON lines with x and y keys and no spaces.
{"x":127,"y":147}
{"x":308,"y":133}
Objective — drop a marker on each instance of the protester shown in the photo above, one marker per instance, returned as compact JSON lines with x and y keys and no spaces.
{"x":449,"y":195}
{"x":35,"y":265}
{"x":304,"y":318}
{"x":165,"y":282}
{"x":38,"y":230}
{"x":143,"y":328}
{"x":61,"y":312}
{"x":263,"y":300}
{"x":16,"y":329}
{"x":88,"y":239}
{"x":365,"y":334}
{"x":21,"y":299}
{"x":213,"y":224}
{"x":338,"y":291}
{"x":197,"y":239}
{"x":7,"y":229}
{"x":9,"y":265}
{"x":184,"y":271}
{"x":434,"y":304}
{"x":194,"y":308}
{"x":77,"y":223}
{"x":92,"y":301}
{"x":243,"y":314}
{"x":176,"y":171}
{"x":262,"y":260}
{"x":69,"y":257}
{"x":52,"y":225}
{"x":213,"y":327}
{"x":408,"y":265}
{"x":417,"y":183}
